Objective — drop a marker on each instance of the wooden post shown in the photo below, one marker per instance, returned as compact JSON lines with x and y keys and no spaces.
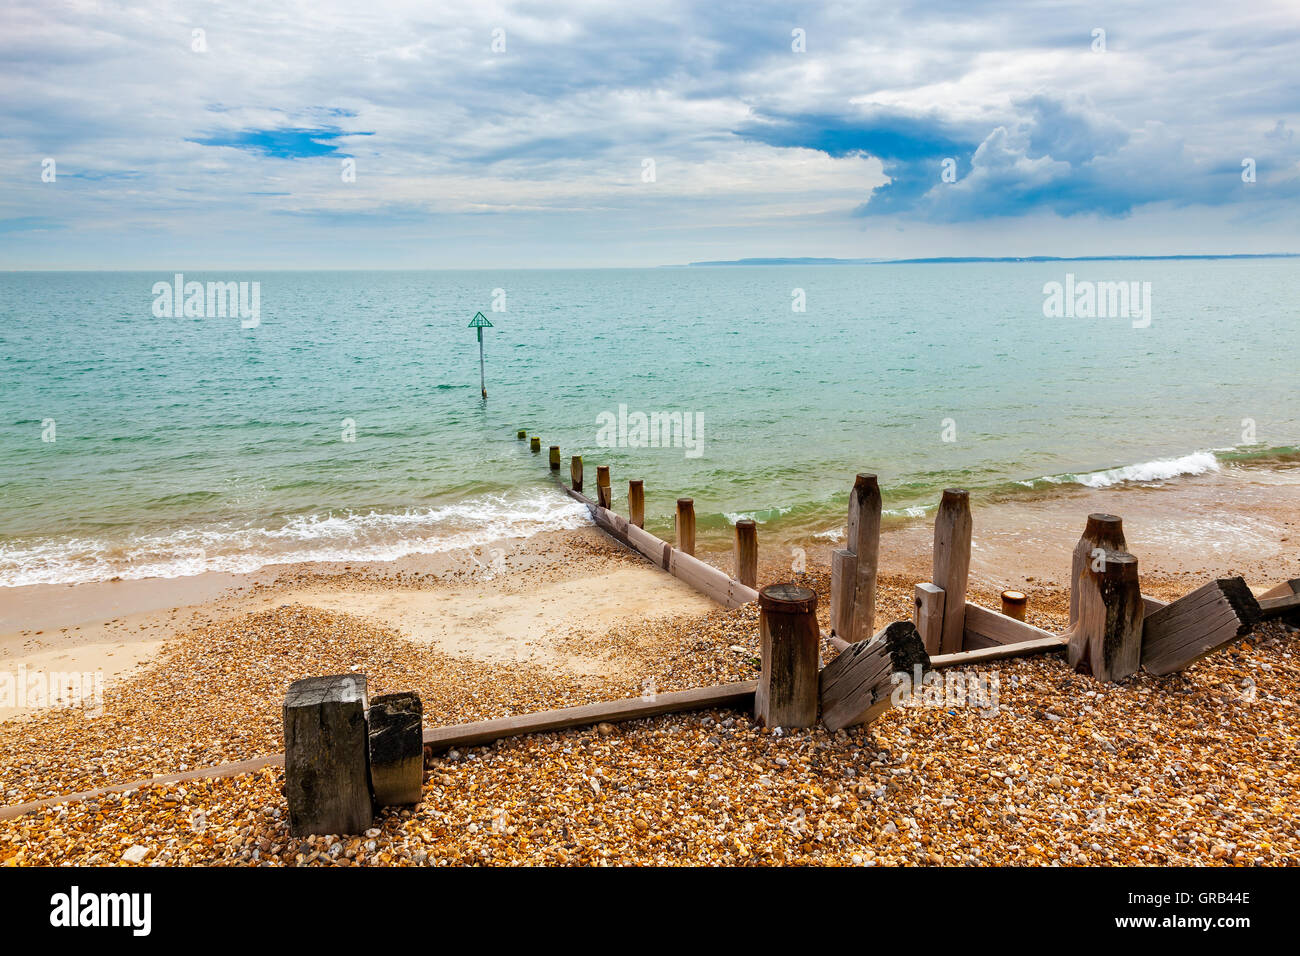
{"x":603,"y":496}
{"x":636,"y":502}
{"x":864,"y":541}
{"x":535,"y":444}
{"x":325,"y":777}
{"x":928,"y":616}
{"x":747,"y":552}
{"x":1106,"y":640}
{"x":555,"y":458}
{"x":787,"y":687}
{"x":1102,"y":531}
{"x":952,"y":529}
{"x":396,"y":748}
{"x":575,"y":472}
{"x":521,"y":434}
{"x":1013,"y":604}
{"x":686,"y":525}
{"x":844,"y":572}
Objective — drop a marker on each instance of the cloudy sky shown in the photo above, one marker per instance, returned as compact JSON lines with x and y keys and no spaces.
{"x":502,"y":134}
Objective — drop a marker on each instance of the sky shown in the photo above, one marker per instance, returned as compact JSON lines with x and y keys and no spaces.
{"x":219,"y":135}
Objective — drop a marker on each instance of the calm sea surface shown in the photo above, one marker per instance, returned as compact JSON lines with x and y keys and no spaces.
{"x":186,"y":444}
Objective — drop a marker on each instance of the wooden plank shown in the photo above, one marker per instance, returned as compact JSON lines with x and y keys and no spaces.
{"x":163,"y":780}
{"x":1000,"y":652}
{"x":1151,"y":604}
{"x":998,"y":628}
{"x":646,"y":544}
{"x":1279,"y":606}
{"x":844,"y":575}
{"x":927,"y":615}
{"x":739,"y":696}
{"x":1282,"y":590}
{"x":864,"y":524}
{"x":1198,"y":624}
{"x":952,"y":531}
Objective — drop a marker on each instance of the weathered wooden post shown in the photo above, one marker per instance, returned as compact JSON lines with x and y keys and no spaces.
{"x":787,"y":687}
{"x":952,"y":530}
{"x":535,"y":444}
{"x":636,"y":502}
{"x":844,"y":572}
{"x":325,"y":749}
{"x":575,"y":472}
{"x":1102,"y":532}
{"x":555,"y":458}
{"x":858,"y":686}
{"x":1013,"y":604}
{"x":521,"y":434}
{"x":747,"y":552}
{"x":396,"y":748}
{"x":1196,"y":624}
{"x":603,"y":496}
{"x":864,"y":542}
{"x":928,"y":615}
{"x":1106,"y":640}
{"x":686,"y":525}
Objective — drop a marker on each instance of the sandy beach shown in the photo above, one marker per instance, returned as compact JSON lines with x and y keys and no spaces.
{"x":1196,"y":764}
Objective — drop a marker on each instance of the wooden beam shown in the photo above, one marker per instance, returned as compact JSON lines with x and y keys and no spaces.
{"x":864,"y":528}
{"x":1000,"y":652}
{"x":985,"y":628}
{"x":739,"y":696}
{"x":1198,"y":624}
{"x":326,"y":768}
{"x":1280,"y":606}
{"x":1284,"y":589}
{"x":1102,"y":531}
{"x":927,"y":615}
{"x":952,"y":531}
{"x":575,"y":472}
{"x":393,"y":725}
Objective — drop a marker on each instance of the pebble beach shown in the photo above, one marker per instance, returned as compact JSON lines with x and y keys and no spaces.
{"x":1193,"y":768}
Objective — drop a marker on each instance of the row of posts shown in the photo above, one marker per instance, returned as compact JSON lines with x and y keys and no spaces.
{"x":746,"y":535}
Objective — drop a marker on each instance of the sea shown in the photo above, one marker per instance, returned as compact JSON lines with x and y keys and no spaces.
{"x":344,"y":421}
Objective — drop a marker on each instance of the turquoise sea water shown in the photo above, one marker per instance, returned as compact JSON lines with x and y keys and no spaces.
{"x":185,"y":444}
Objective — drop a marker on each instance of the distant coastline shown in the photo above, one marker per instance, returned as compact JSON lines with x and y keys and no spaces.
{"x":811,"y":261}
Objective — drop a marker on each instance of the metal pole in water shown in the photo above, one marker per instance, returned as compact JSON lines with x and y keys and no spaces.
{"x":480,"y":323}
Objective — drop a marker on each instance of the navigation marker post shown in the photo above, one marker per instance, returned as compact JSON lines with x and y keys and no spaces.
{"x":480,"y":323}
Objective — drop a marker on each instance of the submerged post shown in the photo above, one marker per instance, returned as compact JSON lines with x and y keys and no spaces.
{"x":747,"y":552}
{"x":787,"y":687}
{"x":521,"y":434}
{"x":952,"y":529}
{"x":555,"y":458}
{"x":535,"y":444}
{"x":636,"y":502}
{"x":686,"y":525}
{"x":575,"y":472}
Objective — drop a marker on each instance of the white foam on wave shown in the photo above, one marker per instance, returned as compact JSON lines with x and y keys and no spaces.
{"x":369,"y":536}
{"x":1162,"y":469}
